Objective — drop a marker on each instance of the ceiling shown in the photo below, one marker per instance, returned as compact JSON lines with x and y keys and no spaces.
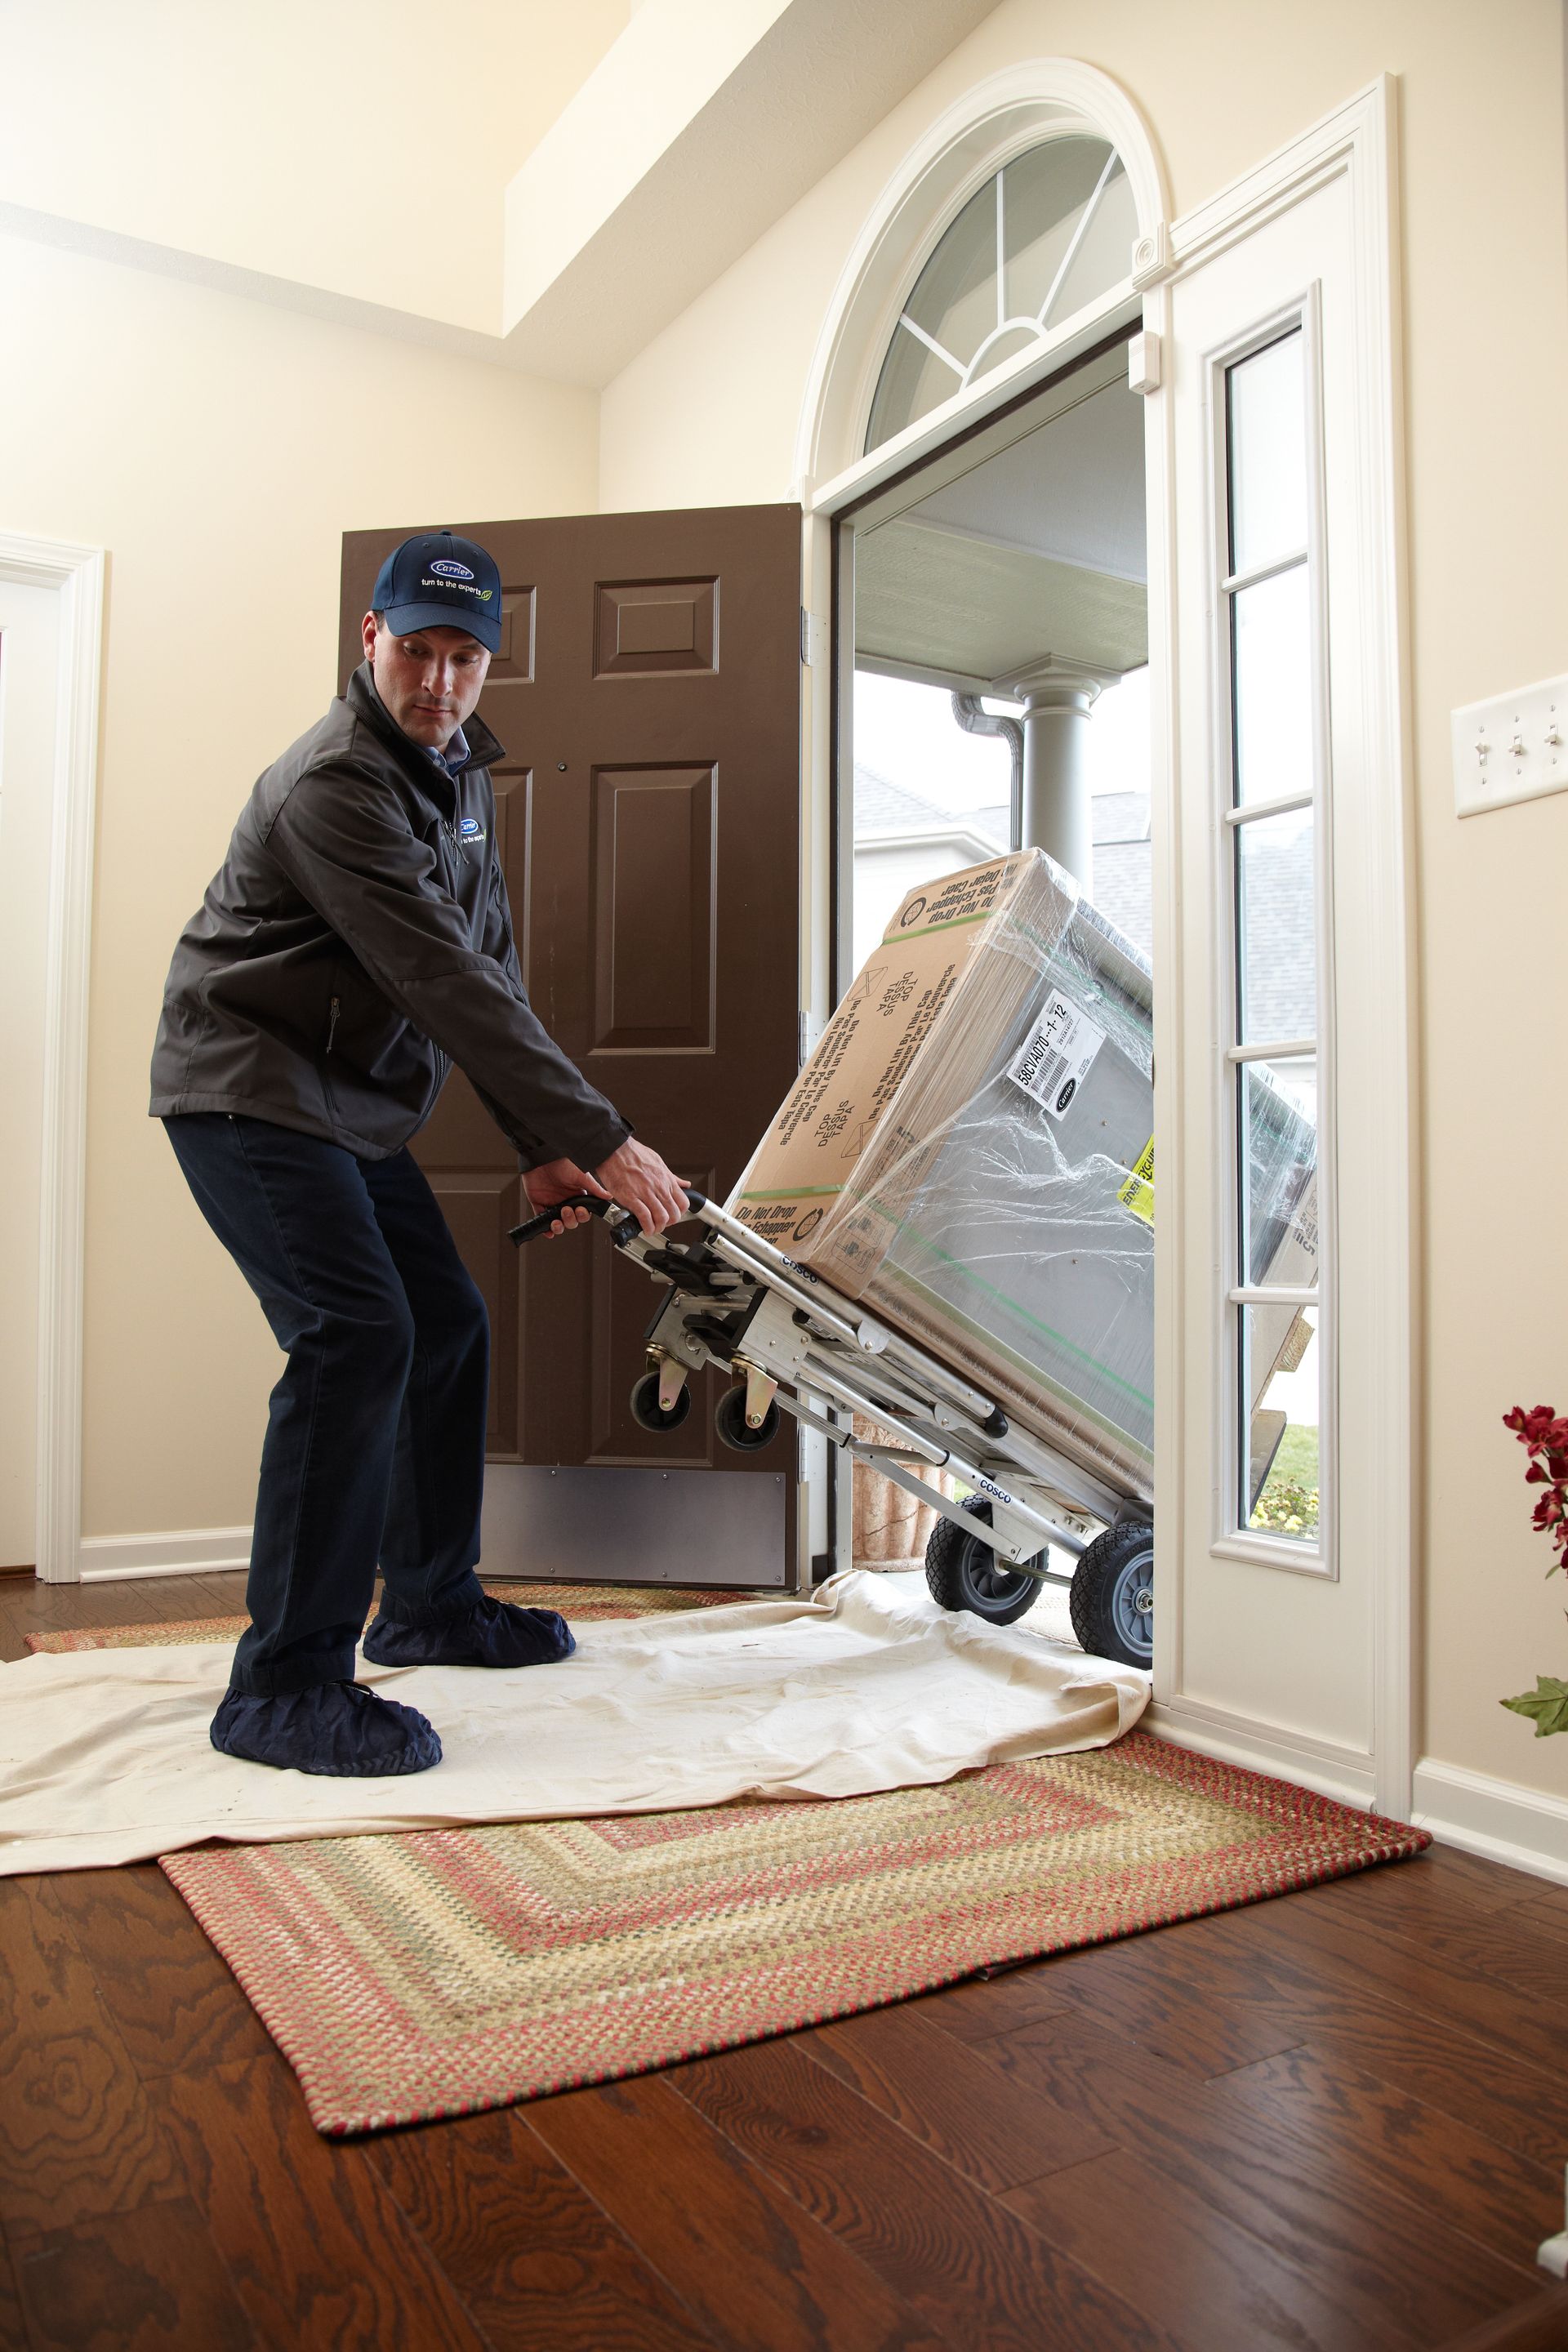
{"x":615,"y":156}
{"x":1038,"y":550}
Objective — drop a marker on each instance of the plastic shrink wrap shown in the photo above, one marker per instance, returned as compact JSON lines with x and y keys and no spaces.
{"x":969,"y":1152}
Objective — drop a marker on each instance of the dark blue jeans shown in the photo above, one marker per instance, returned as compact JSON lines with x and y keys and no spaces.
{"x":375,"y":1438}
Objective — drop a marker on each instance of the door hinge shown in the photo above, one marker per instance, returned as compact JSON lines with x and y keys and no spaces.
{"x":809,"y":1030}
{"x":813,"y":638}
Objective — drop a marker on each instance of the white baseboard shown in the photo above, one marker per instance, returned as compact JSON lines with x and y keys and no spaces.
{"x":186,"y":1551}
{"x":1497,"y":1819}
{"x":1311,"y":1764}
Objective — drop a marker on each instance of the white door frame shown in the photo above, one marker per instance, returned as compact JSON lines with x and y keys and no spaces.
{"x":76,"y":575}
{"x":1358,"y":140}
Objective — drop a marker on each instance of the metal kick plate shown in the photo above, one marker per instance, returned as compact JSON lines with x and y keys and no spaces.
{"x":636,"y":1526}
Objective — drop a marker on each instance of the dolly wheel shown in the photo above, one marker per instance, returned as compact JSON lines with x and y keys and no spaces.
{"x":1113,"y":1596}
{"x":730,"y":1421}
{"x":963,"y":1572}
{"x":648,"y":1412}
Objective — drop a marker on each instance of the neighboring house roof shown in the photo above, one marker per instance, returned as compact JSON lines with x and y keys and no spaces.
{"x":1121,"y":816}
{"x":1123,"y":889}
{"x":1279,"y":931}
{"x":1279,"y":885}
{"x":883,"y":806}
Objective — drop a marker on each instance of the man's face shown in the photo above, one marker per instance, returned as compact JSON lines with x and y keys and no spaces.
{"x":429,"y":681}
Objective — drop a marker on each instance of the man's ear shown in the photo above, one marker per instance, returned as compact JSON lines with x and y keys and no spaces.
{"x":367,"y":635}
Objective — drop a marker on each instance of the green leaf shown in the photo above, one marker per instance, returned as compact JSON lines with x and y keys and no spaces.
{"x":1548,"y":1703}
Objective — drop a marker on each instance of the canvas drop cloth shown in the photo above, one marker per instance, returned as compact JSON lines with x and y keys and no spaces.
{"x":104,"y":1754}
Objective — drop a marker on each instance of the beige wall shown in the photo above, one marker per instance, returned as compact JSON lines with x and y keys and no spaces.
{"x":365,"y":150}
{"x":709,"y":414}
{"x":217,"y":448}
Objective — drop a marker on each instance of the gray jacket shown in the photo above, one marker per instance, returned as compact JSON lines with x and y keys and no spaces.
{"x":356,"y":943}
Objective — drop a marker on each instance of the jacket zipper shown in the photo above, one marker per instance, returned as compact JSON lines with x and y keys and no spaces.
{"x":333,"y":1024}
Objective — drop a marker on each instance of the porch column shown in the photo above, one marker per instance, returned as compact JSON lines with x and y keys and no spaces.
{"x":1057,"y":698}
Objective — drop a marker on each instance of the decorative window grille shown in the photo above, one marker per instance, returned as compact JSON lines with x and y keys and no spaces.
{"x":1044,"y":238}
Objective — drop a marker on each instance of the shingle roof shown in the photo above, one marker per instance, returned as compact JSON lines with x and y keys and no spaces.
{"x":1279,"y":887}
{"x":883,"y":806}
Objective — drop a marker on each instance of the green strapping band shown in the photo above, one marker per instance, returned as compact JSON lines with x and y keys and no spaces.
{"x":798,"y":1192}
{"x":892,"y":939}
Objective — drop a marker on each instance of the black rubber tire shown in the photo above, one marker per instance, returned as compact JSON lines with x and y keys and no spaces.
{"x":1112,"y":1595}
{"x":646,"y":1411}
{"x":730,"y":1421}
{"x":963,"y":1572}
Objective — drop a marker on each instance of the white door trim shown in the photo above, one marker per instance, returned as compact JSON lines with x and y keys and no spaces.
{"x":1376,"y":1073}
{"x":1358,"y":141}
{"x":76,"y":574}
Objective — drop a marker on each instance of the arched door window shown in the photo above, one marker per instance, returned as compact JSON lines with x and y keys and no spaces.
{"x":1045,"y":235}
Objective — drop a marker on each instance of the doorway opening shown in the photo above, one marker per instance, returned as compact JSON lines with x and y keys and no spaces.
{"x":995,"y":597}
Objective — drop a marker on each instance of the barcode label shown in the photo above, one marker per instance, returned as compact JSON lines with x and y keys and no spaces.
{"x":1057,"y":1056}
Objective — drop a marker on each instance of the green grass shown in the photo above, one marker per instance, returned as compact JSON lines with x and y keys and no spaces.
{"x":1298,"y":1455}
{"x":1289,"y":1503}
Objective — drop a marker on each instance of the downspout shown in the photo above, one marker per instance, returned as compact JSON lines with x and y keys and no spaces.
{"x":974,"y":719}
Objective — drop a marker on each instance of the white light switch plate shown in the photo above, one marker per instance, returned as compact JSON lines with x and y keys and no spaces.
{"x":1513,"y":747}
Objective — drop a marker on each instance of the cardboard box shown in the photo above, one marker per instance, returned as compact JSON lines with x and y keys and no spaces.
{"x":970,"y":1152}
{"x":824,"y":1145}
{"x":963,"y":1152}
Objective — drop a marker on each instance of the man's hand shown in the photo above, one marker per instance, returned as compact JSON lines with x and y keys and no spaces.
{"x":639,"y":1180}
{"x":557,"y":1180}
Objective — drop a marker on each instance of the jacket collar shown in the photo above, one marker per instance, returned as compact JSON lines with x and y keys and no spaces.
{"x":484,"y":747}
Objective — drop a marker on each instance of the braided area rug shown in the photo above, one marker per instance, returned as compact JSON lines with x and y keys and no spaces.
{"x":590,"y":1603}
{"x":439,"y":1971}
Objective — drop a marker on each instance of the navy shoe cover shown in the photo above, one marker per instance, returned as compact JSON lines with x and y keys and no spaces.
{"x":340,"y":1729}
{"x":491,"y":1634}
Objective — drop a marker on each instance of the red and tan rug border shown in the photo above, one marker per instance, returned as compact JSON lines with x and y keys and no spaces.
{"x":1384,"y":1842}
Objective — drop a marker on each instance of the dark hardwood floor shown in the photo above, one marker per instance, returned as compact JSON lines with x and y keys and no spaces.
{"x":1330,"y":2123}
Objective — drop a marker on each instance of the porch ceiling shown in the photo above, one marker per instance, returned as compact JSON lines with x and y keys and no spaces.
{"x":937,"y":599}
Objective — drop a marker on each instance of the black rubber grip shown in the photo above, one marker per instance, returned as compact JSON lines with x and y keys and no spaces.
{"x":533,"y":1226}
{"x":530,"y":1230}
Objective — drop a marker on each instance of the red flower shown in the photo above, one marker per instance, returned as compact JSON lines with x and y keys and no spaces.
{"x":1544,"y":1437}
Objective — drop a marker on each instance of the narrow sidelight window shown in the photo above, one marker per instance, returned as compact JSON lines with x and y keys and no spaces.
{"x":1277,"y":1342}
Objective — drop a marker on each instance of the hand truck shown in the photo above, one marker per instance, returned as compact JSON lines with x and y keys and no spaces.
{"x":792,"y":1343}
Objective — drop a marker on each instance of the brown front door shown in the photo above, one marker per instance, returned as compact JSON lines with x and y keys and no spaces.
{"x":647,"y":692}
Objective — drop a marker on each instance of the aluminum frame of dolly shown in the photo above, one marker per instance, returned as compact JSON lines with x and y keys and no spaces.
{"x":736,"y":1302}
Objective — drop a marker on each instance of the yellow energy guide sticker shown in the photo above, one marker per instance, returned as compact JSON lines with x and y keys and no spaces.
{"x":1138,"y":1192}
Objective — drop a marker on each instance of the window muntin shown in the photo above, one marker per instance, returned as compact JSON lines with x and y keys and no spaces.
{"x":1045,"y":235}
{"x":1273,"y":820}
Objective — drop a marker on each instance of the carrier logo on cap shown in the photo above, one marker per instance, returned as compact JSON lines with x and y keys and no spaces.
{"x":449,"y":570}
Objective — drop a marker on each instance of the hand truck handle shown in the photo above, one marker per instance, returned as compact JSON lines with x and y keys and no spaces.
{"x":533,"y":1226}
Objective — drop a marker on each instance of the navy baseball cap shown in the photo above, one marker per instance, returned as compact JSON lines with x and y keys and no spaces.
{"x":436,"y":580}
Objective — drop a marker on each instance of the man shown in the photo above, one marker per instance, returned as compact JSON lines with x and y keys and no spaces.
{"x":356,"y":943}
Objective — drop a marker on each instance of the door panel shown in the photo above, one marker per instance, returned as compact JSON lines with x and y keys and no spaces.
{"x":648,"y":822}
{"x":645,"y":627}
{"x":655,"y":837}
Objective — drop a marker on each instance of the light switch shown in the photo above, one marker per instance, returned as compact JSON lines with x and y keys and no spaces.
{"x":1514,"y":748}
